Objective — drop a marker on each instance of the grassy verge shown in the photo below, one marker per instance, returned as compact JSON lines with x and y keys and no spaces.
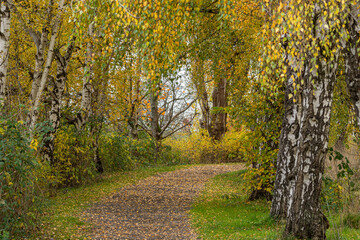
{"x":338,"y":230}
{"x":62,"y":216}
{"x":223,"y":212}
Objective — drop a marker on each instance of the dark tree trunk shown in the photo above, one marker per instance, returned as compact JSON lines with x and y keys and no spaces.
{"x":352,"y":60}
{"x":133,"y":117}
{"x":217,"y":126}
{"x":155,"y":128}
{"x":95,"y":132}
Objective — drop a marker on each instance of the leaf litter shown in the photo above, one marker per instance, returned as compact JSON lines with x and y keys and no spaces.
{"x":155,"y":208}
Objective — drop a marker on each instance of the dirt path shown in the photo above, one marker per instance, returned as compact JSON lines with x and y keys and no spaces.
{"x":155,"y":208}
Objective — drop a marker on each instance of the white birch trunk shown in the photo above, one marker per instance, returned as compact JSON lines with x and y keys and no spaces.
{"x":33,"y":115}
{"x":288,"y":148}
{"x":305,"y":138}
{"x":56,"y":98}
{"x":39,"y":61}
{"x":305,"y":218}
{"x":5,"y":20}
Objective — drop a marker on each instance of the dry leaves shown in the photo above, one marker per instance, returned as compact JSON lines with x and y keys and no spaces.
{"x":155,"y":208}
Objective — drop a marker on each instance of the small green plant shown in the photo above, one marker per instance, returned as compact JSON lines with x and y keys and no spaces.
{"x":334,"y":194}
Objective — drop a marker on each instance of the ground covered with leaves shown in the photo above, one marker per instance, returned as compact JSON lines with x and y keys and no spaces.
{"x":155,"y":208}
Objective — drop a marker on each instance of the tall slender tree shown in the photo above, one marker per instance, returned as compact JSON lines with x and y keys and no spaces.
{"x":5,"y":20}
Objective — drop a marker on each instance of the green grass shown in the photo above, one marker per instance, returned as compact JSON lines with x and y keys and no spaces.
{"x":62,"y":216}
{"x":338,"y":230}
{"x":223,"y":212}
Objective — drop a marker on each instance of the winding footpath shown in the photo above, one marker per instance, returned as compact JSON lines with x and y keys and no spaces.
{"x":155,"y":208}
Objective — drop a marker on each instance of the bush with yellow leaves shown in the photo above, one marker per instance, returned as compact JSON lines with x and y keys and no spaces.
{"x":200,"y":148}
{"x":73,"y":159}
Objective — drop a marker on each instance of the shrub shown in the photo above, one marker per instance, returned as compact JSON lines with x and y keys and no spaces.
{"x":121,"y":152}
{"x":115,"y":152}
{"x":200,"y":148}
{"x":18,"y":165}
{"x":74,"y":162}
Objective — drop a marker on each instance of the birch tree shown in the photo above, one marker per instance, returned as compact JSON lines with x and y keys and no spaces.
{"x":56,"y":102}
{"x":5,"y":19}
{"x":39,"y":83}
{"x":312,"y":37}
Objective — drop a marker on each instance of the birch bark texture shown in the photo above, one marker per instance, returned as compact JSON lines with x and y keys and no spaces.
{"x":312,"y":46}
{"x":56,"y":99}
{"x":305,"y":218}
{"x":288,"y":144}
{"x":40,"y":82}
{"x":5,"y":22}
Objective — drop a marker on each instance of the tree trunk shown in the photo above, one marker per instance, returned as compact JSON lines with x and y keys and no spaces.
{"x":155,"y":131}
{"x":214,"y":120}
{"x":133,"y":117}
{"x":96,"y":126}
{"x":36,"y":99}
{"x":56,"y":98}
{"x":5,"y":20}
{"x":205,"y":109}
{"x":98,"y":112}
{"x":352,"y":60}
{"x":40,"y":43}
{"x":97,"y":159}
{"x":305,"y":218}
{"x":288,"y":148}
{"x":217,"y":126}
